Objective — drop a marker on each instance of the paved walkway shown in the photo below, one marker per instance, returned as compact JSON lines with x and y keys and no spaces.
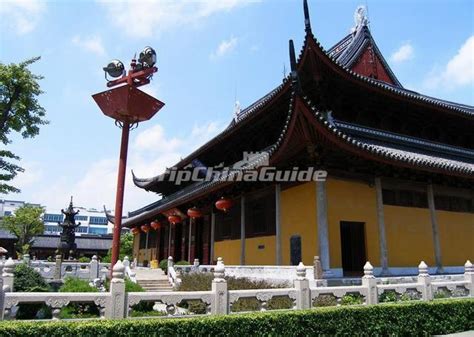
{"x":150,"y":274}
{"x":460,"y":334}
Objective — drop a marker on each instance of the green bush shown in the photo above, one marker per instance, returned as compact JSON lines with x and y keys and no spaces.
{"x":78,"y":310}
{"x":398,"y":319}
{"x":26,"y":279}
{"x":325,"y":300}
{"x":84,"y":259}
{"x":352,"y":299}
{"x":164,"y":265}
{"x":182,"y":263}
{"x":388,"y":296}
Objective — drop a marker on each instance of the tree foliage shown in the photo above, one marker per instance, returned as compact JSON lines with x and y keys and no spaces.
{"x":25,"y":223}
{"x":20,"y":112}
{"x":126,"y":248}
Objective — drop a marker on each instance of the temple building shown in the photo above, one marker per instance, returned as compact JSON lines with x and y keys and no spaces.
{"x":399,"y":186}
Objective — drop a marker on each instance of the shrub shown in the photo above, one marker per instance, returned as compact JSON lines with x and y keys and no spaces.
{"x":441,"y":293}
{"x":84,"y":259}
{"x":407,"y":319}
{"x":164,"y":265}
{"x":26,"y":279}
{"x":352,"y":299}
{"x":182,"y":263}
{"x":388,"y":296}
{"x":325,"y":300}
{"x":78,"y":310}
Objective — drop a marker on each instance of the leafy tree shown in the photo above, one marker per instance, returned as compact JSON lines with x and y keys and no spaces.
{"x":25,"y":223}
{"x":20,"y":112}
{"x":126,"y":248}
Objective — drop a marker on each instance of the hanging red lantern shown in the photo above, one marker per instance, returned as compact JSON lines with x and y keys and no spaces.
{"x":135,"y":230}
{"x":194,"y":213}
{"x":145,"y":228}
{"x":155,"y":225}
{"x":224,"y":204}
{"x":174,"y":219}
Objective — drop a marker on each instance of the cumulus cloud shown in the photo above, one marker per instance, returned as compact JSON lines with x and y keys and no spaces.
{"x":224,"y":48}
{"x":22,"y":16}
{"x":152,"y":16}
{"x":151,"y":151}
{"x":91,"y":44}
{"x":458,"y":72}
{"x":404,"y":53}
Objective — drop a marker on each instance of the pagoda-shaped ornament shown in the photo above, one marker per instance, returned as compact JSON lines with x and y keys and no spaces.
{"x":67,"y":246}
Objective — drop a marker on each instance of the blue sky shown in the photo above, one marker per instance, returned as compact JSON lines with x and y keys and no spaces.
{"x":209,"y":53}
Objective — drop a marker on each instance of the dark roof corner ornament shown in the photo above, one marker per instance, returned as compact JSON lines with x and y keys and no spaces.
{"x":307,"y":21}
{"x":361,"y":18}
{"x":295,"y":82}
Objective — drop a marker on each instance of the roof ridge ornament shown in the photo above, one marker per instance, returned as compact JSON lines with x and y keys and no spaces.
{"x":237,"y":110}
{"x":295,"y":82}
{"x":307,"y":21}
{"x":361,"y":18}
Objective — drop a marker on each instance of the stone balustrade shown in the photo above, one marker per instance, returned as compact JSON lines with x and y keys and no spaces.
{"x":220,"y":301}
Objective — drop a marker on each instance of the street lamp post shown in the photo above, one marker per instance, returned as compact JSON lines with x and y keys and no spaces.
{"x":128,"y":106}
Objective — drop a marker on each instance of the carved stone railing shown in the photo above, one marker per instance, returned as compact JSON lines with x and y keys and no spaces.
{"x":219,"y":300}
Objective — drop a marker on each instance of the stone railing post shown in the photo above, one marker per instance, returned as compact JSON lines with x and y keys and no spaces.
{"x":424,"y":280}
{"x":370,"y":282}
{"x":57,"y":268}
{"x":196,"y":263}
{"x":318,"y":270}
{"x":26,"y":259}
{"x":220,"y":301}
{"x":301,"y":284}
{"x":7,"y":275}
{"x":126,"y":262}
{"x":2,"y":300}
{"x":469,"y":276}
{"x":94,"y":268}
{"x":115,"y":307}
{"x":170,"y":263}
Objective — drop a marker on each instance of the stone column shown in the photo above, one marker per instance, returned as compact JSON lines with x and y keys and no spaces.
{"x":277,"y":226}
{"x":213,"y":231}
{"x":116,"y":305}
{"x":424,"y":280}
{"x":370,"y":282}
{"x":57,"y":267}
{"x":169,"y":240}
{"x":469,"y":276}
{"x":323,"y":230}
{"x":94,"y":268}
{"x":242,"y":230}
{"x":381,"y":223}
{"x":435,"y":229}
{"x":2,"y":300}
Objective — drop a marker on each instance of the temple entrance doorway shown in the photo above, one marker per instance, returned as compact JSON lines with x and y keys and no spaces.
{"x":353,"y":247}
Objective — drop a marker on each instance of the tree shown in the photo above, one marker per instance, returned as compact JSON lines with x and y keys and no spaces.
{"x":126,"y":248}
{"x":20,"y":112}
{"x":25,"y":223}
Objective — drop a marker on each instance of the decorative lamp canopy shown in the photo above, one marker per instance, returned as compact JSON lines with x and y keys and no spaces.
{"x":224,"y":204}
{"x":135,"y":230}
{"x":155,"y":225}
{"x":194,"y":213}
{"x":174,"y":219}
{"x":145,"y":228}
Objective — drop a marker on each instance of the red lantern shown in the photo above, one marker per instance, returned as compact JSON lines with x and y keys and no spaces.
{"x":224,"y":204}
{"x":194,"y":213}
{"x":174,"y":219}
{"x":155,"y":225}
{"x":145,"y":228}
{"x":135,"y":230}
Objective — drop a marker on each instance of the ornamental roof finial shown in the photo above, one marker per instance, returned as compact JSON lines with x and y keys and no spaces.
{"x":361,"y":18}
{"x":294,"y":71}
{"x":307,"y":22}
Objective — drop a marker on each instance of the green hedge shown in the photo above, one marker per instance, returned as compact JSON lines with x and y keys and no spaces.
{"x":407,"y":319}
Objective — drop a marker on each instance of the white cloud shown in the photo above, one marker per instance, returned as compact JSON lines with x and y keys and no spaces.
{"x":150,"y":16}
{"x":91,"y":44}
{"x":459,"y":71}
{"x":225,"y":47}
{"x":151,"y":151}
{"x":404,"y":53}
{"x":22,"y":16}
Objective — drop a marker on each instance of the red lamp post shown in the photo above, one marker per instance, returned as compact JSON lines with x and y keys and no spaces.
{"x":128,"y":106}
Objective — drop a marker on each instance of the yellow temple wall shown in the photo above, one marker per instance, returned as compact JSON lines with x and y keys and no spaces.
{"x":255,"y":256}
{"x":456,"y":231}
{"x":351,"y":201}
{"x":298,"y":217}
{"x":229,"y":250}
{"x":409,"y":238}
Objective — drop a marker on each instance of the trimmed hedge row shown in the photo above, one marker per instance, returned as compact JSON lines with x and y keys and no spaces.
{"x":409,"y":319}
